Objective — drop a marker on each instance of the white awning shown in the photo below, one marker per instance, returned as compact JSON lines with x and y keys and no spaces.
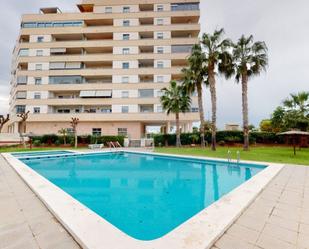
{"x":57,"y":65}
{"x":57,"y":50}
{"x":84,"y":94}
{"x":104,"y":93}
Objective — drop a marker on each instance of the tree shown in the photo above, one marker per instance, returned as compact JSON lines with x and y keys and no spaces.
{"x":63,"y":132}
{"x":3,"y":121}
{"x":22,"y":124}
{"x":193,"y":81}
{"x":249,"y":59}
{"x":74,"y":124}
{"x":175,"y":100}
{"x":266,"y":125}
{"x":298,"y":102}
{"x":293,"y":114}
{"x":217,"y":55}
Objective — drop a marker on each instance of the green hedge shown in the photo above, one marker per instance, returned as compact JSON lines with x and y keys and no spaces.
{"x":224,"y":137}
{"x":87,"y":139}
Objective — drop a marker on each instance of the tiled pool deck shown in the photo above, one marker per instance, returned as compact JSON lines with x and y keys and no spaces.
{"x":278,"y":218}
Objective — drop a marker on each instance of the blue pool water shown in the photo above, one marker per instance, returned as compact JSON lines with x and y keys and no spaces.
{"x":41,"y":153}
{"x":145,"y":196}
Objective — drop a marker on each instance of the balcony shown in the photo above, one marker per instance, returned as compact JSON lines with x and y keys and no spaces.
{"x":99,"y":22}
{"x":146,"y":7}
{"x":146,"y":21}
{"x":185,"y":6}
{"x":184,"y":20}
{"x":146,"y":49}
{"x":145,"y":63}
{"x":146,"y":78}
{"x":145,"y":108}
{"x":146,"y":35}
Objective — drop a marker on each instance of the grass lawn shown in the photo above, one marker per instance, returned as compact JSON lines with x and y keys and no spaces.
{"x":20,"y":149}
{"x":264,"y":154}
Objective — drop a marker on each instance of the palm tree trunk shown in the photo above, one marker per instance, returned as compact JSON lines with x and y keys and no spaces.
{"x":178,"y":142}
{"x":212,"y":85}
{"x":244,"y":84}
{"x":201,"y":111}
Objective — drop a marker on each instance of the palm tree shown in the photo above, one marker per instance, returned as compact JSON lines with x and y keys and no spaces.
{"x":249,"y":59}
{"x":193,"y":81}
{"x":175,"y":100}
{"x":217,"y":57}
{"x":63,"y":132}
{"x":74,"y":123}
{"x":298,"y":102}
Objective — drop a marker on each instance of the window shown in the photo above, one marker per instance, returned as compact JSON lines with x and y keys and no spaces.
{"x":125,"y":79}
{"x":125,"y":65}
{"x":36,"y":110}
{"x":146,"y":93}
{"x":126,"y":9}
{"x":125,"y":36}
{"x":125,"y":94}
{"x":125,"y":51}
{"x":22,"y":80}
{"x":40,"y":39}
{"x":122,"y":132}
{"x":194,"y":109}
{"x":37,"y":95}
{"x":159,"y":108}
{"x":126,"y":23}
{"x":160,"y":35}
{"x":160,"y":79}
{"x":39,"y":53}
{"x":160,"y":21}
{"x":23,"y":52}
{"x":160,"y":8}
{"x":160,"y":50}
{"x":38,"y":67}
{"x":21,"y":95}
{"x":159,"y":93}
{"x":20,"y":109}
{"x":96,"y":131}
{"x":160,"y":64}
{"x":108,"y":9}
{"x":37,"y":81}
{"x":125,"y":109}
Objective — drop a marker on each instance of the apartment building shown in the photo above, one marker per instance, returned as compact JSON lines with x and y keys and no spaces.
{"x":105,"y":64}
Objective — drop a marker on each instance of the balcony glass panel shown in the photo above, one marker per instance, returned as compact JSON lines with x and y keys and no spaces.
{"x":146,"y":93}
{"x":65,"y":80}
{"x":52,"y":24}
{"x":184,"y":6}
{"x":182,"y":48}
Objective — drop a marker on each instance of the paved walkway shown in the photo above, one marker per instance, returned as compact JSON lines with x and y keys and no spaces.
{"x":25,"y":223}
{"x":278,"y":218}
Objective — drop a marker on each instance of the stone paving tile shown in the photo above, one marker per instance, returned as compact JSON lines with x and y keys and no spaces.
{"x":25,"y":223}
{"x":278,"y":218}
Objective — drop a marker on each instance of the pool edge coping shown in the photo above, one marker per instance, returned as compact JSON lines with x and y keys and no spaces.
{"x":196,"y":233}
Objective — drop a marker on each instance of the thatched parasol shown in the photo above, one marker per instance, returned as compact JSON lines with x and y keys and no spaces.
{"x":295,"y":135}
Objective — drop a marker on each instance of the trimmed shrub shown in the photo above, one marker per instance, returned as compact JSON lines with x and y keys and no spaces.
{"x":225,"y":137}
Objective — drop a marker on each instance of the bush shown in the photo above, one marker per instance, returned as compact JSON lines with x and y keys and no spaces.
{"x":221,"y":143}
{"x":58,"y":142}
{"x":37,"y":143}
{"x":222,"y":136}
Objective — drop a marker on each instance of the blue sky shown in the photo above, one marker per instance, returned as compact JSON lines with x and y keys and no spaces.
{"x":282,"y":24}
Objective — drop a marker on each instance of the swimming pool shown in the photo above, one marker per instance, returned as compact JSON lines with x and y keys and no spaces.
{"x":41,"y":153}
{"x":145,"y":196}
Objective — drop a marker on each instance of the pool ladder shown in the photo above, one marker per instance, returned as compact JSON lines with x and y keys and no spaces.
{"x":229,"y":156}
